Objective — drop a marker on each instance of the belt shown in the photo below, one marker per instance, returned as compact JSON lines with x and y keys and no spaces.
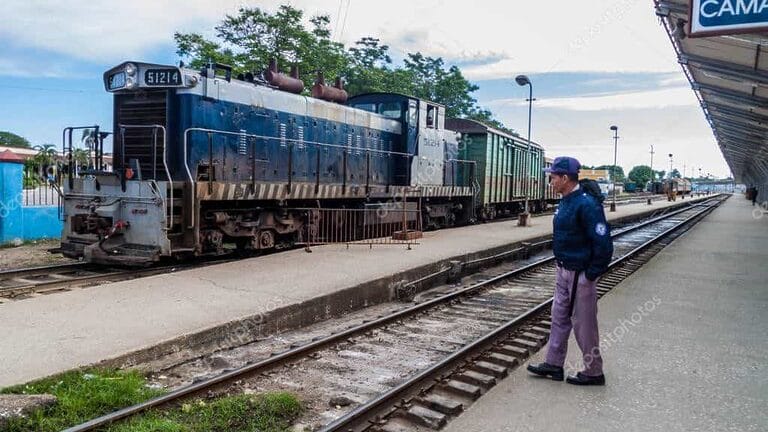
{"x":568,"y":266}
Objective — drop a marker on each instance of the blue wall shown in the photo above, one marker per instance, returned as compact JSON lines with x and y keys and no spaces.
{"x":19,"y":223}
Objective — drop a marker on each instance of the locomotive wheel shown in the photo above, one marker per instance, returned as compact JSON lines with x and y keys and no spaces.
{"x":266,"y":240}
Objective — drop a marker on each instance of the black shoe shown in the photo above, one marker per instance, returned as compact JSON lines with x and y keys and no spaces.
{"x":547,"y":370}
{"x":581,"y":379}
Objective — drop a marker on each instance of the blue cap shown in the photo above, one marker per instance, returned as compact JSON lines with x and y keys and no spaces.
{"x":564,"y":165}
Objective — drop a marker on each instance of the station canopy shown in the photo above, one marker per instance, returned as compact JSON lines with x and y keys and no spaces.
{"x":726,"y":66}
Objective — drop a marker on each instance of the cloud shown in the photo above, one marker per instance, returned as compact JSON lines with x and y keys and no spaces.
{"x":661,"y":98}
{"x":498,"y":40}
{"x":17,"y":68}
{"x":681,"y":130}
{"x":105,"y":31}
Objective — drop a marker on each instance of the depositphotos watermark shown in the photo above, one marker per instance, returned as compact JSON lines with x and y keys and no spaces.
{"x":760,"y":210}
{"x":620,"y":331}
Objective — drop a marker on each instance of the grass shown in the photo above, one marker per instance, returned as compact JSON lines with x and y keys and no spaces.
{"x":83,"y":395}
{"x":269,"y":412}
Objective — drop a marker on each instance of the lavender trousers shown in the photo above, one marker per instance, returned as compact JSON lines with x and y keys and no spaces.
{"x":578,"y":311}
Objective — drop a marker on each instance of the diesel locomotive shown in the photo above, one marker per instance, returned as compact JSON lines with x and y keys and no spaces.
{"x":202,"y":159}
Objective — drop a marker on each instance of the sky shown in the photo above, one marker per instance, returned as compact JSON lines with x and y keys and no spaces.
{"x":593,"y":64}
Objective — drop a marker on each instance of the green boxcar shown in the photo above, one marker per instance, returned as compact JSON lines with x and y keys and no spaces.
{"x":502,"y":168}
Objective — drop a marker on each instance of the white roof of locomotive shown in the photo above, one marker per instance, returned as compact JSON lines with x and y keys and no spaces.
{"x":260,"y":96}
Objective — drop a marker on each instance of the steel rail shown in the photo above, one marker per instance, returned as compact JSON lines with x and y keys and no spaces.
{"x":347,"y":422}
{"x":103,"y":273}
{"x":18,"y":272}
{"x":112,"y":275}
{"x":314,"y":345}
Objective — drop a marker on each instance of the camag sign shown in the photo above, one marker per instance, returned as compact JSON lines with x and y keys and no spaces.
{"x":718,"y":17}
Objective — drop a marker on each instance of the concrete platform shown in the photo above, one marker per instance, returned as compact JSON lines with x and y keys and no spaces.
{"x":684,"y":345}
{"x":136,"y":320}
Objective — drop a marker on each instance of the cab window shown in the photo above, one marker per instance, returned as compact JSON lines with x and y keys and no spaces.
{"x":413,"y":114}
{"x":370,"y":107}
{"x":432,"y":116}
{"x":390,"y":109}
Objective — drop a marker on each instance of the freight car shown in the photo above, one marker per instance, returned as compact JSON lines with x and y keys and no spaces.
{"x":507,"y":171}
{"x":655,"y":187}
{"x":204,"y":160}
{"x":678,"y":186}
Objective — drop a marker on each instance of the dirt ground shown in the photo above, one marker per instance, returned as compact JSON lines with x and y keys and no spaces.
{"x":30,"y":254}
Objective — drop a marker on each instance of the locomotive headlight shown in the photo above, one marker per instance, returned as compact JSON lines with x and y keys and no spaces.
{"x":130,"y":69}
{"x":130,"y":83}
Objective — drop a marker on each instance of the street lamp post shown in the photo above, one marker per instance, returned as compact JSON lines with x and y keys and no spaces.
{"x":653,"y":175}
{"x":523,"y":80}
{"x":670,"y":166}
{"x":615,"y":130}
{"x":699,"y":189}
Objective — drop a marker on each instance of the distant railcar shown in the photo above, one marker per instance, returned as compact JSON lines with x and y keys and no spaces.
{"x":507,"y":170}
{"x":678,"y":186}
{"x":656,"y":187}
{"x":550,"y":196}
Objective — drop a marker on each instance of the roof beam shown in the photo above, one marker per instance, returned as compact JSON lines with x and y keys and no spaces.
{"x":720,"y":119}
{"x":744,"y":73}
{"x":737,"y":140}
{"x":739,"y":112}
{"x":742,"y":135}
{"x":740,"y":132}
{"x":736,"y":120}
{"x":731,"y":96}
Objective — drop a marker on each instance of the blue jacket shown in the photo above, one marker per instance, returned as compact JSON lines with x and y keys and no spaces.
{"x":582,"y":238}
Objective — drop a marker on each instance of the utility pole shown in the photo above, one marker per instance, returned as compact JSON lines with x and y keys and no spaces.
{"x":615,"y":130}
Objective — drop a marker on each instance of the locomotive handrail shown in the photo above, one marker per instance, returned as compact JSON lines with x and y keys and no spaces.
{"x":154,"y":128}
{"x":265,"y":137}
{"x":67,"y":132}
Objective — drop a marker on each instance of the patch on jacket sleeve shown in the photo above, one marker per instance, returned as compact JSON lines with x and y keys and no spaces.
{"x":601,"y":229}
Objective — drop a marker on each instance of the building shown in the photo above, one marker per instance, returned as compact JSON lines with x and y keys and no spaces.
{"x":599,"y":175}
{"x":29,"y":153}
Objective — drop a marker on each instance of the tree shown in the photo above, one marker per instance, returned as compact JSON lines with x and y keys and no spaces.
{"x":640,"y":174}
{"x":10,"y":139}
{"x":675,"y":173}
{"x":249,"y":39}
{"x":660,"y":174}
{"x":81,"y":157}
{"x":445,"y":86}
{"x":369,"y":70}
{"x":46,"y":155}
{"x":486,"y":117}
{"x":619,"y":172}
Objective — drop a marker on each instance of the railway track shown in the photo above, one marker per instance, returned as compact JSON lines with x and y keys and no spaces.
{"x":417,"y":367}
{"x":19,"y":284}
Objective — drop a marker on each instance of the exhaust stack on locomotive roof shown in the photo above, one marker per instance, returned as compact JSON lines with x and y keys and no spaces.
{"x":335,"y":93}
{"x":291,"y":84}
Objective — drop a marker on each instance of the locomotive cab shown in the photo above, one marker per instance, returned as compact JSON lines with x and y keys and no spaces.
{"x":425,"y":137}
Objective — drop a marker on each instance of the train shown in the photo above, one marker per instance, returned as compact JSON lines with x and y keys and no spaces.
{"x":678,"y":186}
{"x":203,"y":160}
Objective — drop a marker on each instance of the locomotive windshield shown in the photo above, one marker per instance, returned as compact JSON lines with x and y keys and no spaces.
{"x":393,"y":110}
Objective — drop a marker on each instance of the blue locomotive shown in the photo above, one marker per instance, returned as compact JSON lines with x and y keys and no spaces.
{"x":203,"y":159}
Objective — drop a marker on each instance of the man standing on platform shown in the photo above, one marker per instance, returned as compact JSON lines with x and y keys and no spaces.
{"x":583,"y":248}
